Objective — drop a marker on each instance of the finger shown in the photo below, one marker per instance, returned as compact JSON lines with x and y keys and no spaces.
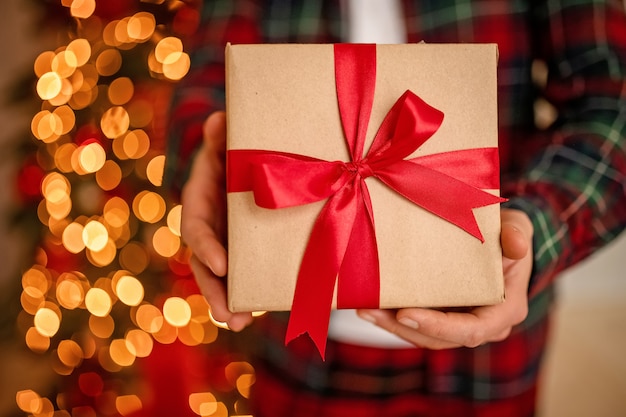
{"x":516,"y":233}
{"x":513,"y":241}
{"x":387,"y":320}
{"x":205,"y":245}
{"x":214,"y":130}
{"x":202,"y":238}
{"x":213,"y":289}
{"x":461,"y":329}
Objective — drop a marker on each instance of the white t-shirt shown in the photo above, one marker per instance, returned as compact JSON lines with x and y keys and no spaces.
{"x":369,"y":21}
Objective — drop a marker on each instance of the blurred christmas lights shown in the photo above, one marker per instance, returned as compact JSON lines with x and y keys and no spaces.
{"x":102,"y":214}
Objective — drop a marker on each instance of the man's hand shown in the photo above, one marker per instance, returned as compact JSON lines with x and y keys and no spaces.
{"x":435,"y":329}
{"x":204,"y":221}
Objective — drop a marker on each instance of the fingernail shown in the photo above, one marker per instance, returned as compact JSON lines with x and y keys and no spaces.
{"x":409,"y":323}
{"x":208,"y":265}
{"x":367,"y":317}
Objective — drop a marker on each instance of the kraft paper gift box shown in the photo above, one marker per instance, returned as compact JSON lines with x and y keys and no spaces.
{"x":283,"y":103}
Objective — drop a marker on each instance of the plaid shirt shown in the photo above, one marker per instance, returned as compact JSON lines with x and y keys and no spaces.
{"x":568,"y":175}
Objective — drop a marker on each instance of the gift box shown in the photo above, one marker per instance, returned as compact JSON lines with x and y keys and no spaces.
{"x":361,"y":176}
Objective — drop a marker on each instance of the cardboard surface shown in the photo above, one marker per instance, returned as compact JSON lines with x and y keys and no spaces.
{"x":282,"y":98}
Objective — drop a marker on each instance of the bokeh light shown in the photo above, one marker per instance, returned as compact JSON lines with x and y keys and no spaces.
{"x":98,"y":302}
{"x":101,"y":327}
{"x":81,"y":48}
{"x":174,"y":219}
{"x":140,"y":341}
{"x":129,"y":290}
{"x":149,"y":206}
{"x":47,"y":322}
{"x":128,"y":404}
{"x":115,"y":122}
{"x":177,"y":311}
{"x":141,"y":26}
{"x":82,"y":9}
{"x":95,"y":235}
{"x":49,"y":85}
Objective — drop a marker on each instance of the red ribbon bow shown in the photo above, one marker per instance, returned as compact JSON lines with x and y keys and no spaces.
{"x":342,"y":245}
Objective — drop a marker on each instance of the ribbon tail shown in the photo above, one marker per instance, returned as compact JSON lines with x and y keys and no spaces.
{"x":441,"y":194}
{"x":359,"y":278}
{"x":312,"y":301}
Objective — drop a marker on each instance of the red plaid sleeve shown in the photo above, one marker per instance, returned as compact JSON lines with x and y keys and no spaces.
{"x":574,"y":188}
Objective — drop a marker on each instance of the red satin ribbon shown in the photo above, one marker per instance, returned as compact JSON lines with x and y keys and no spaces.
{"x":342,"y":245}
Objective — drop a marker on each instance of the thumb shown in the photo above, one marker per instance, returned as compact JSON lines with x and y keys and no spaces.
{"x":516,"y":233}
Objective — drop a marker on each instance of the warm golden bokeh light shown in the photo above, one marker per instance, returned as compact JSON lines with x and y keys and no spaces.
{"x":174,"y":219}
{"x":31,"y":304}
{"x":66,"y":117}
{"x":36,"y":281}
{"x":128,"y":404}
{"x":36,"y":341}
{"x":98,"y":302}
{"x":64,"y":95}
{"x":114,"y":122}
{"x":47,"y":322}
{"x":165,"y":243}
{"x":47,"y":126}
{"x":177,"y":311}
{"x":120,"y":352}
{"x":49,"y":85}
{"x":203,"y":403}
{"x":192,"y":334}
{"x":166,"y":47}
{"x":101,"y":327}
{"x":55,"y":187}
{"x":116,"y":212}
{"x":95,"y":235}
{"x":28,"y":401}
{"x":176,"y":65}
{"x":59,"y":209}
{"x":134,"y":145}
{"x":244,"y":384}
{"x":70,"y":353}
{"x":120,"y":33}
{"x":149,"y":318}
{"x":73,"y":238}
{"x":82,"y":9}
{"x":64,"y":63}
{"x":140,"y":341}
{"x":108,"y":62}
{"x":149,"y":206}
{"x":104,"y":256}
{"x":43,"y":63}
{"x":91,"y":157}
{"x":70,"y":292}
{"x":109,"y":176}
{"x":81,"y":48}
{"x":121,"y":90}
{"x":129,"y":290}
{"x":154,"y":170}
{"x":141,"y":26}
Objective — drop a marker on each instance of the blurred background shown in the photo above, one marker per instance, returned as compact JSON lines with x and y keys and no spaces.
{"x":100,"y":315}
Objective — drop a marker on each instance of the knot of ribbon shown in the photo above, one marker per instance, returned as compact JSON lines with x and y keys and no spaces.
{"x":361,"y":169}
{"x":342,"y":245}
